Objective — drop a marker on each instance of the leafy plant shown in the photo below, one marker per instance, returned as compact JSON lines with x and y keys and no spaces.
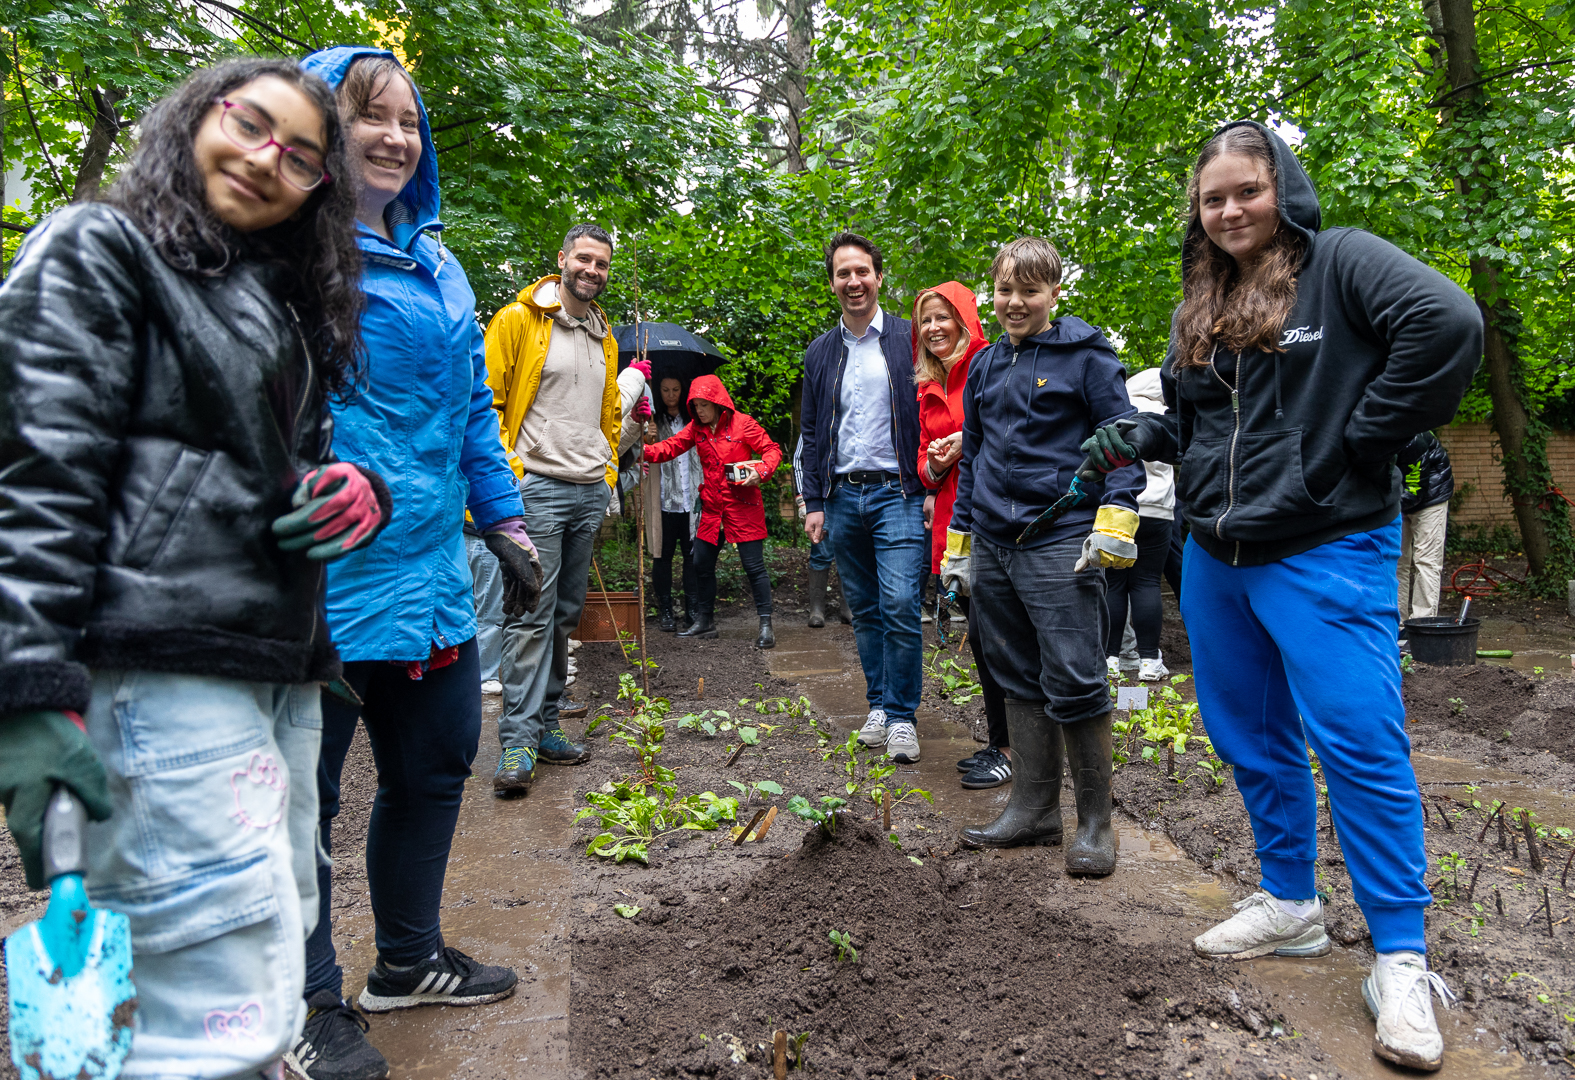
{"x":761,"y":788}
{"x":628,"y":911}
{"x":862,"y":771}
{"x":957,"y":682}
{"x":1457,"y":706}
{"x":826,"y":815}
{"x":642,"y":817}
{"x":708,"y":722}
{"x":844,"y":943}
{"x":640,"y":726}
{"x":631,"y":650}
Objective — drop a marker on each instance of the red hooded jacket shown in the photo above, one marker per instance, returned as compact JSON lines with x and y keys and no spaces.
{"x":727,"y":509}
{"x":941,"y":407}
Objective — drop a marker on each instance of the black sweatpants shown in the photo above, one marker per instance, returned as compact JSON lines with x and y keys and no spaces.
{"x":994,"y":696}
{"x":675,"y":536}
{"x":752,"y":553}
{"x":1138,"y":586}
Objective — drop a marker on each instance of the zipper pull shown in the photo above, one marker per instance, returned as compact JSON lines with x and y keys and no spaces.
{"x":1235,"y":401}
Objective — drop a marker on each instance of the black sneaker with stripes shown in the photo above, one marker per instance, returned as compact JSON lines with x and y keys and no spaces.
{"x":990,"y":769}
{"x":449,"y":978}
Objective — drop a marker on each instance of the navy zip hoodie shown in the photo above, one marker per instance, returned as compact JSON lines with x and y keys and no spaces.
{"x":1279,"y":452}
{"x":1026,"y":411}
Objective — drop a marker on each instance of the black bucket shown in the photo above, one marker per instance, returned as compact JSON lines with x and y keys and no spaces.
{"x":1441,"y":640}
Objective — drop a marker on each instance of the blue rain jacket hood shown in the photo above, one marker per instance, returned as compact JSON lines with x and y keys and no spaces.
{"x":424,"y":420}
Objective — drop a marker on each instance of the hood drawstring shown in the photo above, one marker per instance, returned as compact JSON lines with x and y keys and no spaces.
{"x":1279,"y":413}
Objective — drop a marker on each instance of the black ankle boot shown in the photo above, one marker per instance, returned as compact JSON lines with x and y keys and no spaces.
{"x":668,"y":623}
{"x":704,"y":627}
{"x":767,"y":639}
{"x":1033,"y":811}
{"x":1088,"y":756}
{"x":817,"y":597}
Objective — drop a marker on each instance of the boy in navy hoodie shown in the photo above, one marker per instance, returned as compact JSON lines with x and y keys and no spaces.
{"x":1032,"y":399}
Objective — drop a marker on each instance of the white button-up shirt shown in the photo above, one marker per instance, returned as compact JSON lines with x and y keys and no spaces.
{"x":864,"y":432}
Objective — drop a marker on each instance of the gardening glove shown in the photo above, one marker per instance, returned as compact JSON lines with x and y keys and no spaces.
{"x":521,"y":568}
{"x":956,"y":577}
{"x":37,"y":751}
{"x":1116,"y":445}
{"x":642,"y":410}
{"x":337,"y":512}
{"x":643,"y":367}
{"x":1111,"y":544}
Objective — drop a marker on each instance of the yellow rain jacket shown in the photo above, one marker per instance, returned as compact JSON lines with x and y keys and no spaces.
{"x":517,"y":340}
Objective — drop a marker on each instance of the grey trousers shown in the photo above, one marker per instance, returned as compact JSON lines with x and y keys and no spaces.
{"x":487,"y":580}
{"x":562,"y":519}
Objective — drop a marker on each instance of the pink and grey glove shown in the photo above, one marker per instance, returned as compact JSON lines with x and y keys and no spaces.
{"x":516,"y":555}
{"x":338,"y":511}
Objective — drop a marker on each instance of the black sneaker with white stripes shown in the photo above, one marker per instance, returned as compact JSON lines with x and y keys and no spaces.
{"x":449,"y":978}
{"x":333,"y":1045}
{"x":990,"y":769}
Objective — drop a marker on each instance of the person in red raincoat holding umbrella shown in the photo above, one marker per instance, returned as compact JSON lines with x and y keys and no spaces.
{"x":946,"y":335}
{"x":731,"y":509}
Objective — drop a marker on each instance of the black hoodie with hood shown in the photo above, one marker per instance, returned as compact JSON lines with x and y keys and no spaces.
{"x":1278,"y":452}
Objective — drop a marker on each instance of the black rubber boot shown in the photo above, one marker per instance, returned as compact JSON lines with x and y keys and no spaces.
{"x":1033,"y":812}
{"x":817,"y":597}
{"x":767,"y":639}
{"x":842,"y":605}
{"x":1088,"y":756}
{"x":668,"y":623}
{"x":704,"y":627}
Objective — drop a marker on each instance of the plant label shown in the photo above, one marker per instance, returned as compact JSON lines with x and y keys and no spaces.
{"x":1131,"y":697}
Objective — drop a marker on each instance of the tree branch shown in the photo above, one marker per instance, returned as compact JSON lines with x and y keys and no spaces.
{"x":43,"y":148}
{"x":257,"y":23}
{"x":1439,"y":103}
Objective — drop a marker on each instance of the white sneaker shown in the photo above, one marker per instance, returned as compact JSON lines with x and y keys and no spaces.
{"x":574,"y":646}
{"x":1261,"y":927}
{"x":1113,"y":666}
{"x":1152,"y":670}
{"x":925,"y":616}
{"x":573,"y":667}
{"x":873,"y":733}
{"x":492,"y":686}
{"x":1398,"y":995}
{"x":902,"y":743}
{"x":568,"y":682}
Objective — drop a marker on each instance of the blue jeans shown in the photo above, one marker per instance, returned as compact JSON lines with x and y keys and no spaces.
{"x":424,"y":735}
{"x":211,"y":854}
{"x":877,"y":539}
{"x":487,"y":580}
{"x":820,"y":554}
{"x":1301,"y":653}
{"x":1043,"y":626}
{"x":562,"y":519}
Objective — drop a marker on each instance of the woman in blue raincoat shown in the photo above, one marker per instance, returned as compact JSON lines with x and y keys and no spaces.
{"x":401,"y":611}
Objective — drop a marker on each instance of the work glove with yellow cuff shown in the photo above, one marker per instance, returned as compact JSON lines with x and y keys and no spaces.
{"x":956,"y":577}
{"x":1111,"y":544}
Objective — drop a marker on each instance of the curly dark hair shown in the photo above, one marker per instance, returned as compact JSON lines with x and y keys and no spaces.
{"x":162,"y":191}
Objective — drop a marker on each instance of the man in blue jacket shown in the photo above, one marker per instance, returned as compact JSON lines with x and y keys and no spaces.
{"x":861,"y":485}
{"x":1032,"y":399}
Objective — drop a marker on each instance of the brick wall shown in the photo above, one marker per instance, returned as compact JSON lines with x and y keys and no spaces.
{"x":1473,"y":454}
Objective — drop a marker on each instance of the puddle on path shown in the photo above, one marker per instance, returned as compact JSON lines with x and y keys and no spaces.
{"x":505,"y":900}
{"x":1322,"y":997}
{"x":1533,"y":647}
{"x":1453,"y":776}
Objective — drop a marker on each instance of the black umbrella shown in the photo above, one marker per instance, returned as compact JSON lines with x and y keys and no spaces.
{"x":674,"y":352}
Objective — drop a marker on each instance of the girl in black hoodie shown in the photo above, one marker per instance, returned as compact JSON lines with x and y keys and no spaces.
{"x":1300,"y":362}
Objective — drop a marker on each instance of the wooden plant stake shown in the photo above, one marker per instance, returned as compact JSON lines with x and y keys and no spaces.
{"x":1565,"y":877}
{"x":744,"y":835}
{"x":1497,"y":806}
{"x":1443,"y":816}
{"x":886,"y":811}
{"x":1531,"y":842}
{"x":765,"y":826}
{"x":1426,"y":817}
{"x":734,"y":755}
{"x":779,"y":1055}
{"x":1498,"y":901}
{"x":1514,"y":847}
{"x":1547,"y":906}
{"x":611,"y":618}
{"x":700,"y":693}
{"x":1503,"y":842}
{"x":1473,"y":886}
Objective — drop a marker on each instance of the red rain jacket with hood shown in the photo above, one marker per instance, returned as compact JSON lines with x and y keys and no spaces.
{"x":941,"y":407}
{"x":726,"y":509}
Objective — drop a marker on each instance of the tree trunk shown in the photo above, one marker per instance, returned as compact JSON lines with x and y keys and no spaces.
{"x":1454,"y":24}
{"x":795,"y":81}
{"x":100,"y":141}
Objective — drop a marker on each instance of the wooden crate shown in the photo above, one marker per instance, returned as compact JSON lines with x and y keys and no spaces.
{"x":595,"y":623}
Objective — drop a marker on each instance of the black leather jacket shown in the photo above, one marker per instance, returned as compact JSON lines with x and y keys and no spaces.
{"x":1428,"y":477}
{"x":152,"y":425}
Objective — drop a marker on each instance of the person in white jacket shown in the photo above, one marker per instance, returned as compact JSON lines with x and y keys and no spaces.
{"x":1137,"y":587}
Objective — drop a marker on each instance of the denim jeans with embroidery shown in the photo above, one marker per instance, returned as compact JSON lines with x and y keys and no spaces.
{"x":211,"y":853}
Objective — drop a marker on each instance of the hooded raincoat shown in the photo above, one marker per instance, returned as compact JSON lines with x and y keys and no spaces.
{"x":941,"y":407}
{"x":727,"y":509}
{"x":424,"y":421}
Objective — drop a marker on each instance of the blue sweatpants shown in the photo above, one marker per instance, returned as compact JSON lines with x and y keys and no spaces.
{"x":1301,"y":653}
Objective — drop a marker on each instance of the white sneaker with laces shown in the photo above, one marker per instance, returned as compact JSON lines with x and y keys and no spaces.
{"x":1399,"y":995}
{"x":492,"y":686}
{"x":1152,"y":670}
{"x":902,"y":743}
{"x":873,"y":733}
{"x":1113,"y":666}
{"x":1261,"y":927}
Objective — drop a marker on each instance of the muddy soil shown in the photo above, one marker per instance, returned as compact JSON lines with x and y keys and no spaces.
{"x":1489,"y":928}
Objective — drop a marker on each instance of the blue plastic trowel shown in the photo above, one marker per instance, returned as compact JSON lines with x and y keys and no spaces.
{"x":70,"y":972}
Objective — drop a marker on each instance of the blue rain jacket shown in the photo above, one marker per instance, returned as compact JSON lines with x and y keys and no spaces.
{"x":424,"y":421}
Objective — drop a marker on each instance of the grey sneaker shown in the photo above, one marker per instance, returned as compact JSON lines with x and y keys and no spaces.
{"x":1398,"y":995}
{"x":873,"y":733}
{"x":1261,"y":927}
{"x":902,"y":743}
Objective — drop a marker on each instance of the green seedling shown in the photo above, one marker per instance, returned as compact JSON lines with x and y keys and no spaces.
{"x":844,"y":943}
{"x":1450,"y":865}
{"x":826,"y":815}
{"x":707,"y":722}
{"x":1457,"y":706}
{"x":1407,"y":665}
{"x":628,"y":911}
{"x":641,"y":817}
{"x":861,"y":771}
{"x":640,"y":724}
{"x":631,"y":651}
{"x":958,"y":683}
{"x":761,"y":788}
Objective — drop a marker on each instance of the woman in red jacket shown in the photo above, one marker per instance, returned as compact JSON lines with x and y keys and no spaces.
{"x":731,"y":511}
{"x":946,"y":334}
